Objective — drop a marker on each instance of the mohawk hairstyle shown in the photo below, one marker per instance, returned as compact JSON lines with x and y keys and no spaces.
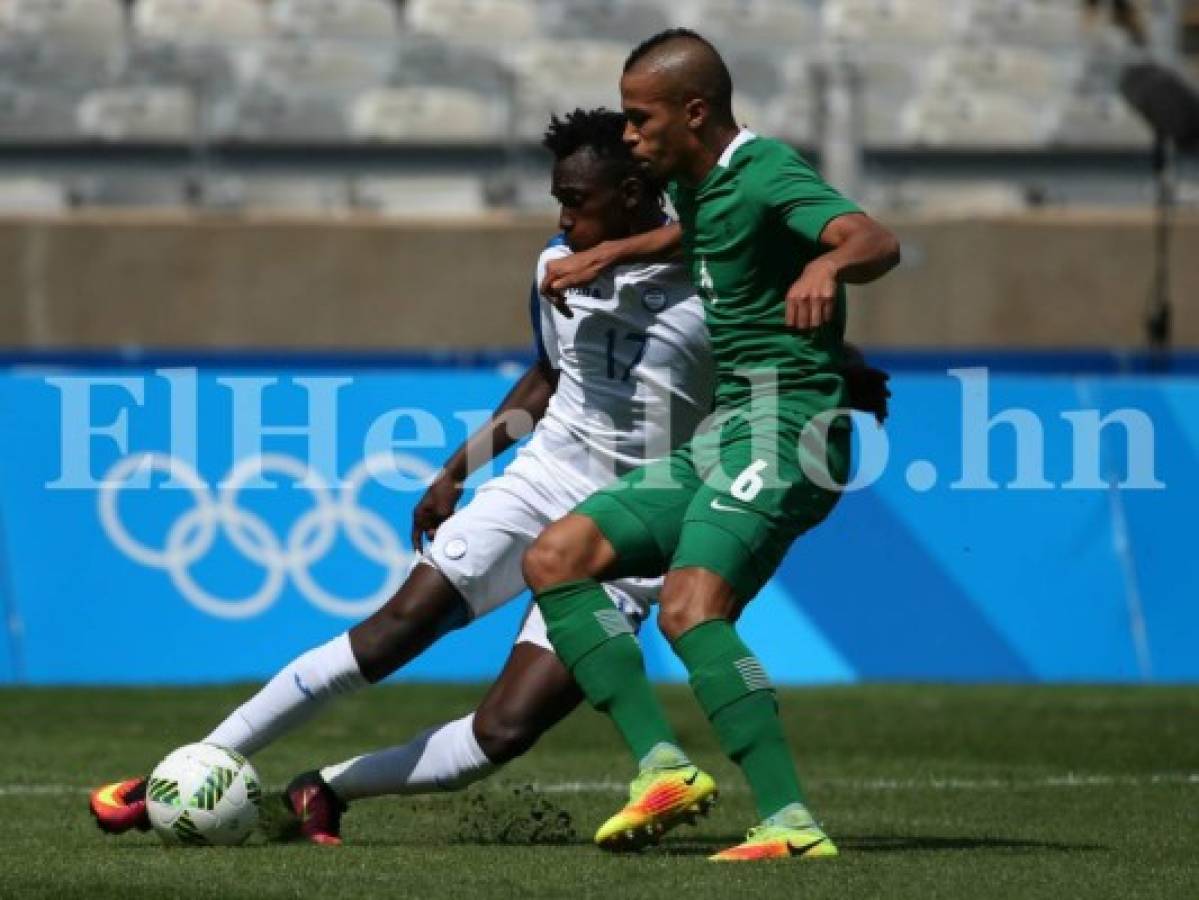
{"x":715,"y":83}
{"x":599,"y":130}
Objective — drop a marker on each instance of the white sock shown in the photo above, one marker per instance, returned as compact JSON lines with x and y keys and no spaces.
{"x":444,"y":758}
{"x":295,"y":695}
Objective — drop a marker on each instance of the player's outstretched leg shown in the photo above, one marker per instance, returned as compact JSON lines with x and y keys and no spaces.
{"x":597,"y":646}
{"x":532,"y":694}
{"x":696,"y":611}
{"x":423,"y":609}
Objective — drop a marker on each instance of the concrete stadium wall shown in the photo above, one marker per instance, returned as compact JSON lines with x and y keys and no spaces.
{"x":199,"y":281}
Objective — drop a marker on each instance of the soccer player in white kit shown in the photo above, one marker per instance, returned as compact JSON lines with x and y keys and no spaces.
{"x":623,"y":376}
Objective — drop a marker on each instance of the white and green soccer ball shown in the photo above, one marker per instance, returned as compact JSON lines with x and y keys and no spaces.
{"x":203,"y":794}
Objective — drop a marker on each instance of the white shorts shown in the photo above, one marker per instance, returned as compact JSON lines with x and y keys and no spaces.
{"x":479,"y":549}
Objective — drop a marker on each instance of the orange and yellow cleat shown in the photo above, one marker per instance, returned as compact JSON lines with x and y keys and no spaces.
{"x":780,"y":842}
{"x":120,"y":806}
{"x":659,"y":800}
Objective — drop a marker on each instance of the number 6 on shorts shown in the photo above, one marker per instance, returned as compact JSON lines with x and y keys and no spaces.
{"x":749,"y":483}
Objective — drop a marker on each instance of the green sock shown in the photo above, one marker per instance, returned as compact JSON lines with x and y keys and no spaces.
{"x":595,"y":641}
{"x":732,"y":688}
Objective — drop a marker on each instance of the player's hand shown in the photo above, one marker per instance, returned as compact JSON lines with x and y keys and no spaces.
{"x":572,"y":271}
{"x":812,"y":300}
{"x":434,"y":507}
{"x":868,"y":391}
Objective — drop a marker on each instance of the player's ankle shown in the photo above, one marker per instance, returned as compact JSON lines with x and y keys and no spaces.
{"x":663,"y":755}
{"x":793,"y":815}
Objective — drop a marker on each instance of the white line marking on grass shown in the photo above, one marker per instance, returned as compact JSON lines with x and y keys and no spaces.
{"x":1069,"y":780}
{"x":609,"y":786}
{"x":36,"y":790}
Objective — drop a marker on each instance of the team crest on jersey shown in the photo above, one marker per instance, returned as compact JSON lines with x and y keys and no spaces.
{"x":654,"y":299}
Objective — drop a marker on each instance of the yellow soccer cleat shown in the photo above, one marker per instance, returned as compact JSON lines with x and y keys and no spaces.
{"x":780,"y":842}
{"x":659,"y":800}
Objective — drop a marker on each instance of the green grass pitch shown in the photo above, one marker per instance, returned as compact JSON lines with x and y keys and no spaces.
{"x":1020,"y":792}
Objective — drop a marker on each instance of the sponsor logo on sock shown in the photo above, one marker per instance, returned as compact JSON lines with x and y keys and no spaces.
{"x":752,"y":674}
{"x":613,"y":622}
{"x":690,"y":779}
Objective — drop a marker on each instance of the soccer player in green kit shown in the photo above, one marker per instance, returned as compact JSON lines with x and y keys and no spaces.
{"x":770,"y":246}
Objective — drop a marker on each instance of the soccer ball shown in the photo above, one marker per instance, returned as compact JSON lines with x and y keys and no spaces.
{"x":203,"y":794}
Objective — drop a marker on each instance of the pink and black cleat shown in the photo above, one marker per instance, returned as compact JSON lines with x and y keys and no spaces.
{"x":121,"y":806}
{"x":317,"y":808}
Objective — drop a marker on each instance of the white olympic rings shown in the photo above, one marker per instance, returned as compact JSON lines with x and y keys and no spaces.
{"x":192,"y":535}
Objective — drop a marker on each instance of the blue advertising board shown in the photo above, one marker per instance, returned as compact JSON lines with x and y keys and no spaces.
{"x":225,"y":517}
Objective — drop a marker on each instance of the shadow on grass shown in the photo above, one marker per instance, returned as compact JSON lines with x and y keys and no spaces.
{"x":849,"y":845}
{"x":871,"y":843}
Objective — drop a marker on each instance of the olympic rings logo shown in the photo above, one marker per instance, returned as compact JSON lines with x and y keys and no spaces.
{"x":192,"y":535}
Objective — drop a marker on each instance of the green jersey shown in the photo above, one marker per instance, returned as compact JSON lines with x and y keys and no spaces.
{"x":749,"y":229}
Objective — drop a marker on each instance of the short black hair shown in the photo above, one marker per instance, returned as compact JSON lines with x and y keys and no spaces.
{"x":717,"y":84}
{"x":599,"y":130}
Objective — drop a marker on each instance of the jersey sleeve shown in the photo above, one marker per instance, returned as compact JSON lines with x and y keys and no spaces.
{"x":541,"y":314}
{"x":795,"y":192}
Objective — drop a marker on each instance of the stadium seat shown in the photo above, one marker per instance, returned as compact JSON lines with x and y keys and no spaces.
{"x":341,"y":20}
{"x":889,"y":79}
{"x":149,"y":114}
{"x":1046,"y":22}
{"x":431,"y":60}
{"x":974,"y":119}
{"x":263,"y":115}
{"x":79,"y":21}
{"x":420,"y":195}
{"x":558,"y":76}
{"x":761,"y":23}
{"x":773,"y":97}
{"x":318,"y":66}
{"x":209,"y":69}
{"x":627,"y":21}
{"x":31,"y":195}
{"x":36,"y":114}
{"x":486,"y":22}
{"x":60,"y":42}
{"x":189,"y":21}
{"x":1090,"y":120}
{"x":1031,"y":72}
{"x":426,"y":114}
{"x":910,"y":22}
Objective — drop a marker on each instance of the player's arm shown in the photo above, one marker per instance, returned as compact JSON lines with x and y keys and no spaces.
{"x":860,"y":250}
{"x":516,"y":416}
{"x":584,"y":267}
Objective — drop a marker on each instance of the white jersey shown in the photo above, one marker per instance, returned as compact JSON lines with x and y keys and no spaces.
{"x":635,"y":381}
{"x":634,"y":363}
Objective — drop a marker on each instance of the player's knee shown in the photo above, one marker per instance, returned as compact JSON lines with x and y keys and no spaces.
{"x":553,"y":559}
{"x":674,"y":616}
{"x":503,"y":737}
{"x":691,"y":597}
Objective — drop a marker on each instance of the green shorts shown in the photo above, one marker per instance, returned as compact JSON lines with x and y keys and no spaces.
{"x":732,"y":500}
